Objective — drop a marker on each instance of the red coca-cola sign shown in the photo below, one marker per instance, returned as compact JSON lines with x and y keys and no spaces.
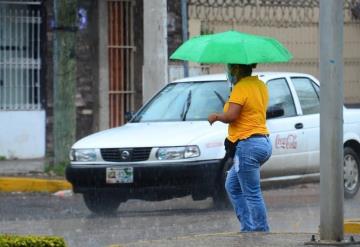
{"x":287,"y":142}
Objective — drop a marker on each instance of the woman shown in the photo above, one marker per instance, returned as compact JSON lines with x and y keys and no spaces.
{"x":245,"y":112}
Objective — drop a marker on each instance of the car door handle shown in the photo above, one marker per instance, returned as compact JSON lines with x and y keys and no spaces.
{"x":299,"y":126}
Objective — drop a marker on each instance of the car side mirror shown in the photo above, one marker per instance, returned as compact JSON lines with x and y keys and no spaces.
{"x":274,"y":111}
{"x":128,"y":115}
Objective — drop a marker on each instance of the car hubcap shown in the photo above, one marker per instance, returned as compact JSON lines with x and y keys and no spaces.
{"x":351,"y":172}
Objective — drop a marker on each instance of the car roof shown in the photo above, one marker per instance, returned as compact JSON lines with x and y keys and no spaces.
{"x":222,"y":77}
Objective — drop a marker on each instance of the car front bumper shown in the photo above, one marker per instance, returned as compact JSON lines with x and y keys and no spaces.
{"x":170,"y":180}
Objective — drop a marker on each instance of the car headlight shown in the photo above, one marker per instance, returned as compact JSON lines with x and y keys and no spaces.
{"x":176,"y":153}
{"x":84,"y":155}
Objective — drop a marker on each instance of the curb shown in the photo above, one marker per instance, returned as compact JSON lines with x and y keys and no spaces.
{"x":352,"y":226}
{"x":225,"y":239}
{"x":12,"y":184}
{"x":186,"y":237}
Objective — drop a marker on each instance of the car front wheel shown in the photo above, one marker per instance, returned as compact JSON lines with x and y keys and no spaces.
{"x":351,"y":172}
{"x":101,"y":202}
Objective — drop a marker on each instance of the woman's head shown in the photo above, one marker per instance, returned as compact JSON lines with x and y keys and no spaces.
{"x":237,"y":71}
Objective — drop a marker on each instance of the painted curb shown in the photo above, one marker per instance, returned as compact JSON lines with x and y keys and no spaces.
{"x":16,"y":184}
{"x":352,"y":226}
{"x":285,"y":236}
{"x":196,"y":236}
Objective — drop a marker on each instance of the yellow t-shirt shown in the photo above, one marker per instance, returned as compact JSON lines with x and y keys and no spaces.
{"x":252,"y":94}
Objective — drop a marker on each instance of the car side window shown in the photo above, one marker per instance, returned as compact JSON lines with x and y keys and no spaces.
{"x":317,"y":88}
{"x":308,"y":95}
{"x":280,"y":96}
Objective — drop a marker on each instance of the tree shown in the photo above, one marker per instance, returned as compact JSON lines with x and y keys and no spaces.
{"x":64,"y":72}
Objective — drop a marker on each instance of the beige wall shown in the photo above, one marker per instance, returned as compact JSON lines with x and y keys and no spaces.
{"x":303,"y":42}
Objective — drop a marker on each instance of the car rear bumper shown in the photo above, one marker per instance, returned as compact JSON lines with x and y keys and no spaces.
{"x":170,"y":180}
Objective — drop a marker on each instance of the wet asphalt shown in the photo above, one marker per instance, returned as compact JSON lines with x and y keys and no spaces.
{"x":291,"y":209}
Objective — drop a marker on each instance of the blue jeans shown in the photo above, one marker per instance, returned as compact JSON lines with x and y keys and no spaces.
{"x":243,"y":183}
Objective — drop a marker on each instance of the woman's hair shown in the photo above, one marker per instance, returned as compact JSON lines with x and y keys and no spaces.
{"x":242,"y":70}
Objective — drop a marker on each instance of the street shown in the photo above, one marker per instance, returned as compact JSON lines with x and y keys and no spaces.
{"x":293,"y":209}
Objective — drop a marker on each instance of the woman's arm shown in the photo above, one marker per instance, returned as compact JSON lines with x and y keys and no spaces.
{"x":227,"y":117}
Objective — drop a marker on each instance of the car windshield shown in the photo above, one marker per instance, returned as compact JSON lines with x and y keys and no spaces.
{"x":185,"y":101}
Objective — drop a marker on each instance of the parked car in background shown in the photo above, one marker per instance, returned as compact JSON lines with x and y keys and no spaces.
{"x":168,"y":149}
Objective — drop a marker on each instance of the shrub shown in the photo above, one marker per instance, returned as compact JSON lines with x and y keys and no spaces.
{"x":57,"y":169}
{"x":9,"y":240}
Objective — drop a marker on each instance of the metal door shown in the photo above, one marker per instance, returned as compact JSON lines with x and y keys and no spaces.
{"x":121,"y":60}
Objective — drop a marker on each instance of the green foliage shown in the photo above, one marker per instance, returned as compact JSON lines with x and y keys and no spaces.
{"x":2,"y":158}
{"x":57,"y":169}
{"x":9,"y":240}
{"x":65,"y":13}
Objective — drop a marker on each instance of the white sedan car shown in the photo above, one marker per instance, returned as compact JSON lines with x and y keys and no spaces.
{"x":168,"y":149}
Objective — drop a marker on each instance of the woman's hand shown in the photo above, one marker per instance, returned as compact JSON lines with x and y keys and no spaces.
{"x":227,"y":117}
{"x":213,"y":117}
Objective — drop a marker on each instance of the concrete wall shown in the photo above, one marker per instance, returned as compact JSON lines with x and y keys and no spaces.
{"x":303,"y":42}
{"x":301,"y":38}
{"x":103,"y":66}
{"x":22,"y":134}
{"x":87,"y":72}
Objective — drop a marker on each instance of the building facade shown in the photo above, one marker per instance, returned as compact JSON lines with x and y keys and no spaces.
{"x":109,"y":62}
{"x":22,"y":84}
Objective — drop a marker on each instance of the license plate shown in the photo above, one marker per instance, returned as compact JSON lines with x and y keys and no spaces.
{"x":119,"y":175}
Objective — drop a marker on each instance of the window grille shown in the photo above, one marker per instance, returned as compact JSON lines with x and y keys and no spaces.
{"x":121,"y":60}
{"x":20,"y":60}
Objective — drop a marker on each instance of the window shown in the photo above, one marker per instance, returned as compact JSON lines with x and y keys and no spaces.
{"x":280,"y":96}
{"x":185,"y":101}
{"x":317,"y":88}
{"x":20,"y":61}
{"x":121,"y":51}
{"x":308,"y":95}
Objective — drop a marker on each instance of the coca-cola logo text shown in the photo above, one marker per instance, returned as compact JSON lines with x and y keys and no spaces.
{"x":288,"y":142}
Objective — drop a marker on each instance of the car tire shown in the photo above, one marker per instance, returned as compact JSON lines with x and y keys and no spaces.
{"x":220,"y":197}
{"x":351,"y":172}
{"x":101,"y":203}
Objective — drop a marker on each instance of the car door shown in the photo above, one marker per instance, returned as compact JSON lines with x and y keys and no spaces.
{"x":286,"y":134}
{"x":308,"y":93}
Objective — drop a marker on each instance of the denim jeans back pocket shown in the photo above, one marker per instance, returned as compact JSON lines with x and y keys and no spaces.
{"x":253,"y":152}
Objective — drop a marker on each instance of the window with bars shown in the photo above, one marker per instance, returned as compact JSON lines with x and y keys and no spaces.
{"x":20,"y":60}
{"x":121,"y":60}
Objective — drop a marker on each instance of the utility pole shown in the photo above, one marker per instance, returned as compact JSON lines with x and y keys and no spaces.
{"x":331,"y":121}
{"x":185,"y":29}
{"x":64,"y":62}
{"x":155,"y":70}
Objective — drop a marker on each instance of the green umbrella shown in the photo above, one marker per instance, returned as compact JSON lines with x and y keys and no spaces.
{"x":232,"y":47}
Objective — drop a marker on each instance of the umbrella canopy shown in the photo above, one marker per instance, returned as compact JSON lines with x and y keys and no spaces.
{"x":232,"y":47}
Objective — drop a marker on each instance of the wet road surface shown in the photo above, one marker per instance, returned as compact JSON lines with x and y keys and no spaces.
{"x":292,"y":209}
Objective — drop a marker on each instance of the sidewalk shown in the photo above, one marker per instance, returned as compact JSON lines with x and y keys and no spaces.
{"x":22,"y":166}
{"x":237,"y":239}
